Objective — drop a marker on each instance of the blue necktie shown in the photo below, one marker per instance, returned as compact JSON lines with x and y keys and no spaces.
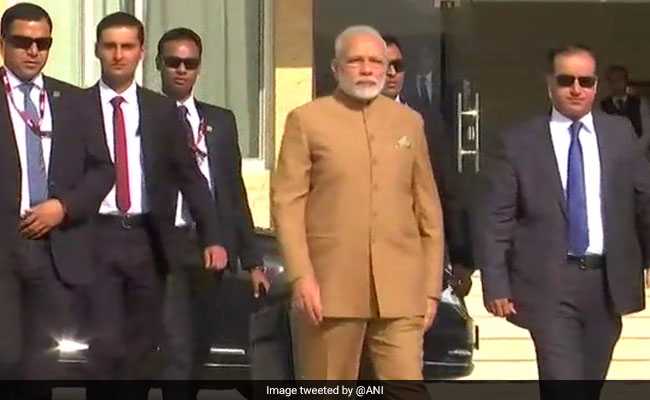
{"x":576,"y":196}
{"x":36,"y":173}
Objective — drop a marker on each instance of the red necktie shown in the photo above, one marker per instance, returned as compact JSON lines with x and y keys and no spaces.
{"x":122,"y":191}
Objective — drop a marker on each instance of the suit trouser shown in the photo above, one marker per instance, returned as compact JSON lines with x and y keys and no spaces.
{"x":190,"y":302}
{"x":333,"y":351}
{"x":125,"y":308}
{"x":577,"y":341}
{"x":36,"y":308}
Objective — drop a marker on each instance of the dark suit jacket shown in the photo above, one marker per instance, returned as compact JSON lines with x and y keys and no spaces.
{"x":442,"y":156}
{"x":521,"y":224}
{"x":631,"y":110}
{"x":229,"y":191}
{"x":169,"y":166}
{"x":80,"y":175}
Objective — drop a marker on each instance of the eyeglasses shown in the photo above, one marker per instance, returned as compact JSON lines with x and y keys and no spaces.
{"x":26,"y":42}
{"x":568,"y":80}
{"x":398,"y":65}
{"x":175,"y":62}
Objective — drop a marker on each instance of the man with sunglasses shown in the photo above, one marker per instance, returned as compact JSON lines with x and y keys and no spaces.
{"x":146,"y":140}
{"x":563,"y":227}
{"x":621,"y":102}
{"x":440,"y":151}
{"x":56,"y":171}
{"x":191,"y":291}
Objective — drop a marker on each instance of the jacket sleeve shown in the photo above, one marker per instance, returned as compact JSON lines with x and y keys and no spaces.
{"x":84,"y":199}
{"x":428,"y":214}
{"x":249,"y":252}
{"x":494,"y":222}
{"x":289,"y":192}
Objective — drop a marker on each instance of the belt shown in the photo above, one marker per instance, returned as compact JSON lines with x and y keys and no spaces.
{"x":124,"y":221}
{"x":588,"y":261}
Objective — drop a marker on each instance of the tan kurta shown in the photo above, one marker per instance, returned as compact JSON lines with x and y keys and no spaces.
{"x":354,"y":202}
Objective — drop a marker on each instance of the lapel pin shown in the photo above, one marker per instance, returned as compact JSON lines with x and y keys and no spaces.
{"x":208,"y":128}
{"x":56,"y":94}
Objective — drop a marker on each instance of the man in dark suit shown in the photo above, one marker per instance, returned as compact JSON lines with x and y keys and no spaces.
{"x":563,"y":227}
{"x":442,"y":161}
{"x":211,"y":134}
{"x":136,"y":220}
{"x":56,"y":171}
{"x":422,"y":86}
{"x":632,"y":106}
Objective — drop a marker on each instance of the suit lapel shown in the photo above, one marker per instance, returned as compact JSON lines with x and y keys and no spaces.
{"x":212,"y":139}
{"x":145,"y":132}
{"x":548,"y":162}
{"x":606,"y":147}
{"x":52,"y":100}
{"x":8,"y":143}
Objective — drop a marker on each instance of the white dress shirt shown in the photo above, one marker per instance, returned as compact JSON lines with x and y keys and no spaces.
{"x":19,"y":130}
{"x":561,"y":137}
{"x":204,"y":165}
{"x":131,"y":112}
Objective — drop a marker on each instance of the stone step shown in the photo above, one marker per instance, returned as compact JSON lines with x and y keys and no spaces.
{"x":491,"y":327}
{"x":521,"y":349}
{"x":527,"y":369}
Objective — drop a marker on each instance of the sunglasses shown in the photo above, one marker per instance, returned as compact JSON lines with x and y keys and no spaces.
{"x":175,"y":62}
{"x":26,"y":42}
{"x":398,"y":65}
{"x":568,"y":80}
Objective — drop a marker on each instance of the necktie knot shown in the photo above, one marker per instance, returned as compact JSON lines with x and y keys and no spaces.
{"x":26,"y":88}
{"x":575,"y":129}
{"x":117,"y":101}
{"x":183,"y":111}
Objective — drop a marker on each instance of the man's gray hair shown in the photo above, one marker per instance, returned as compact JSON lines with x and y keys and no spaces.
{"x":354,"y":30}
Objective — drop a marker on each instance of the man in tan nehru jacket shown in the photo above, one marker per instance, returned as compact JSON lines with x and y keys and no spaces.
{"x":359,"y":223}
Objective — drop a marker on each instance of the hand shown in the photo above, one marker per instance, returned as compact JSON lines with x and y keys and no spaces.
{"x":215,"y":258}
{"x":461,"y":281}
{"x":306,"y":299}
{"x":501,"y":307}
{"x":647,"y":278}
{"x":430,"y":314}
{"x":41,"y":219}
{"x":258,"y":277}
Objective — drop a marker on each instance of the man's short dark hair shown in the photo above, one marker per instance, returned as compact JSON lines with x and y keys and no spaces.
{"x":391,"y":40}
{"x":180,"y":34}
{"x":566,"y":51}
{"x":618,"y":68}
{"x":120,"y":19}
{"x":24,"y":12}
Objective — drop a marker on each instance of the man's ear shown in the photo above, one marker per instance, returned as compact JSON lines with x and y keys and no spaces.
{"x":158,"y":62}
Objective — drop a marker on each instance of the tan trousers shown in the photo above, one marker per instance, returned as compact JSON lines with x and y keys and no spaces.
{"x":333,"y":350}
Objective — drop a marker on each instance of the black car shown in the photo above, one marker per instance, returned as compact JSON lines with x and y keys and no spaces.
{"x":448,"y":346}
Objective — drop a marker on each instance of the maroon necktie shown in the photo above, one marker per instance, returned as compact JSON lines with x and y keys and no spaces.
{"x":122,"y":191}
{"x":184,"y":115}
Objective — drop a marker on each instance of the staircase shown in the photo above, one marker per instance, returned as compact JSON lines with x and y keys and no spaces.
{"x":507,"y":352}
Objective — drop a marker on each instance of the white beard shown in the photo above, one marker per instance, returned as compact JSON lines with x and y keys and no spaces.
{"x":360,"y":92}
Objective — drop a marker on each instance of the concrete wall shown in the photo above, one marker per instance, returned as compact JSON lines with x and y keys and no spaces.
{"x":292,"y":86}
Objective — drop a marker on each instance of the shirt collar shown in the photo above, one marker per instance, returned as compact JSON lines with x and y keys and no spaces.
{"x":14,"y":81}
{"x":587,"y":120}
{"x":190,"y":104}
{"x":130,"y":95}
